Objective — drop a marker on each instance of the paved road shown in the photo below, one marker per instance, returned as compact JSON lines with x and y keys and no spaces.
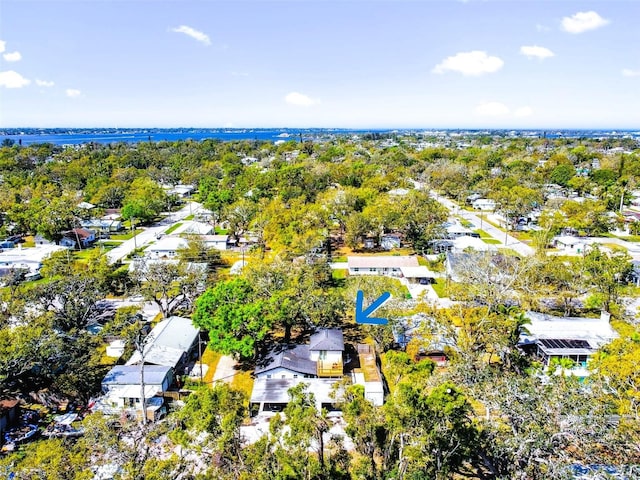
{"x":506,"y":240}
{"x":151,"y":233}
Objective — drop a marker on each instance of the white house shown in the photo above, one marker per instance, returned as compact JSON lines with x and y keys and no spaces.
{"x":318,"y":364}
{"x":380,"y":265}
{"x":122,"y":389}
{"x":570,"y":244}
{"x":166,"y":247}
{"x":553,"y":338}
{"x":461,"y":244}
{"x":219,"y":242}
{"x":485,"y":204}
{"x":169,"y":344}
{"x":192,"y":227}
{"x":26,"y":258}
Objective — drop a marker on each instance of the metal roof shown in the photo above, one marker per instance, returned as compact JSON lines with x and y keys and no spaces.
{"x":130,"y":375}
{"x":167,"y":342}
{"x":275,"y":390}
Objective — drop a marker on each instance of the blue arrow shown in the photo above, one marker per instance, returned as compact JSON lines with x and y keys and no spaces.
{"x":362,"y":316}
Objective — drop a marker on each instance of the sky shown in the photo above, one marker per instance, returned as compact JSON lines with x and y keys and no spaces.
{"x":320,"y":63}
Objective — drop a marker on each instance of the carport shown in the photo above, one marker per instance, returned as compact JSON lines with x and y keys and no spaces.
{"x":271,"y":394}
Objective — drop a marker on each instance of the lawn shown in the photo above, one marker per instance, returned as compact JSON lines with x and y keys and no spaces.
{"x":211,"y":359}
{"x":340,"y":274}
{"x":440,"y":287}
{"x":173,"y":228}
{"x":125,"y":236}
{"x":243,"y":381}
{"x":491,"y":241}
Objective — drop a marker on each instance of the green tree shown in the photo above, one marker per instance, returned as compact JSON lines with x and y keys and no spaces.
{"x":233,"y":317}
{"x":607,"y":272}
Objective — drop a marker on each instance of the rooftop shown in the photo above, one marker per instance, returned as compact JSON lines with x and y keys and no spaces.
{"x":130,"y":375}
{"x":327,"y":339}
{"x":167,"y":342}
{"x":382,"y":261}
{"x":595,"y":331}
{"x":291,"y":357}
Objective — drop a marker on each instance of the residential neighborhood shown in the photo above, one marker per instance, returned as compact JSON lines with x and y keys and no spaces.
{"x":218,"y":315}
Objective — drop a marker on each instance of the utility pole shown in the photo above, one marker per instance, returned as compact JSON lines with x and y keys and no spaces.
{"x":133,"y":231}
{"x":140,"y":344}
{"x":200,"y":355}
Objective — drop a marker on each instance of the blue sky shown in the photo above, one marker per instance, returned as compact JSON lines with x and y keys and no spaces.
{"x":313,"y":63}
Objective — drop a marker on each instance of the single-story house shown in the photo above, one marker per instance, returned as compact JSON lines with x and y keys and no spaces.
{"x":86,"y":206}
{"x":179,"y":190}
{"x":484,"y":204}
{"x":122,"y":388}
{"x":380,"y":265}
{"x":455,"y":230}
{"x":78,"y":238}
{"x":102,"y":225}
{"x":570,"y":244}
{"x":462,"y":243}
{"x":171,"y":342}
{"x":192,"y":227}
{"x":166,"y":247}
{"x":26,"y":258}
{"x":552,"y":338}
{"x":219,"y":242}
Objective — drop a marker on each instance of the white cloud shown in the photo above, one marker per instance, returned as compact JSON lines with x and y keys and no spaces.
{"x":300,"y":100}
{"x":523,"y":112}
{"x":472,"y":63}
{"x":534,"y":51}
{"x":44,"y":83}
{"x":3,"y":45}
{"x":492,"y":109}
{"x":627,"y":72}
{"x":11,"y":79}
{"x":72,"y":92}
{"x":583,"y":21}
{"x":12,"y":57}
{"x":193,"y":33}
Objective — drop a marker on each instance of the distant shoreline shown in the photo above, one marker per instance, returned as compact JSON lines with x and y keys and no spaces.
{"x":80,"y":136}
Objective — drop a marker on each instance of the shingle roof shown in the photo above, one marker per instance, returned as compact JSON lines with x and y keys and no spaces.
{"x":327,"y":339}
{"x":291,"y":357}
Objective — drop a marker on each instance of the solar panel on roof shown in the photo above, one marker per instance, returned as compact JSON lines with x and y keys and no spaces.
{"x":563,"y":343}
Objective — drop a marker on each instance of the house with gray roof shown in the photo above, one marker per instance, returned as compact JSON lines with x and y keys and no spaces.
{"x":319,"y":364}
{"x":122,"y":389}
{"x":169,"y":344}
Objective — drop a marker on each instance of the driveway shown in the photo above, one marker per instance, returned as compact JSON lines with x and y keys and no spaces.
{"x":225,"y":370}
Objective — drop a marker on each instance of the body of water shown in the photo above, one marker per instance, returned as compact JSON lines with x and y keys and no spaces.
{"x":28,"y":137}
{"x":59,"y":136}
